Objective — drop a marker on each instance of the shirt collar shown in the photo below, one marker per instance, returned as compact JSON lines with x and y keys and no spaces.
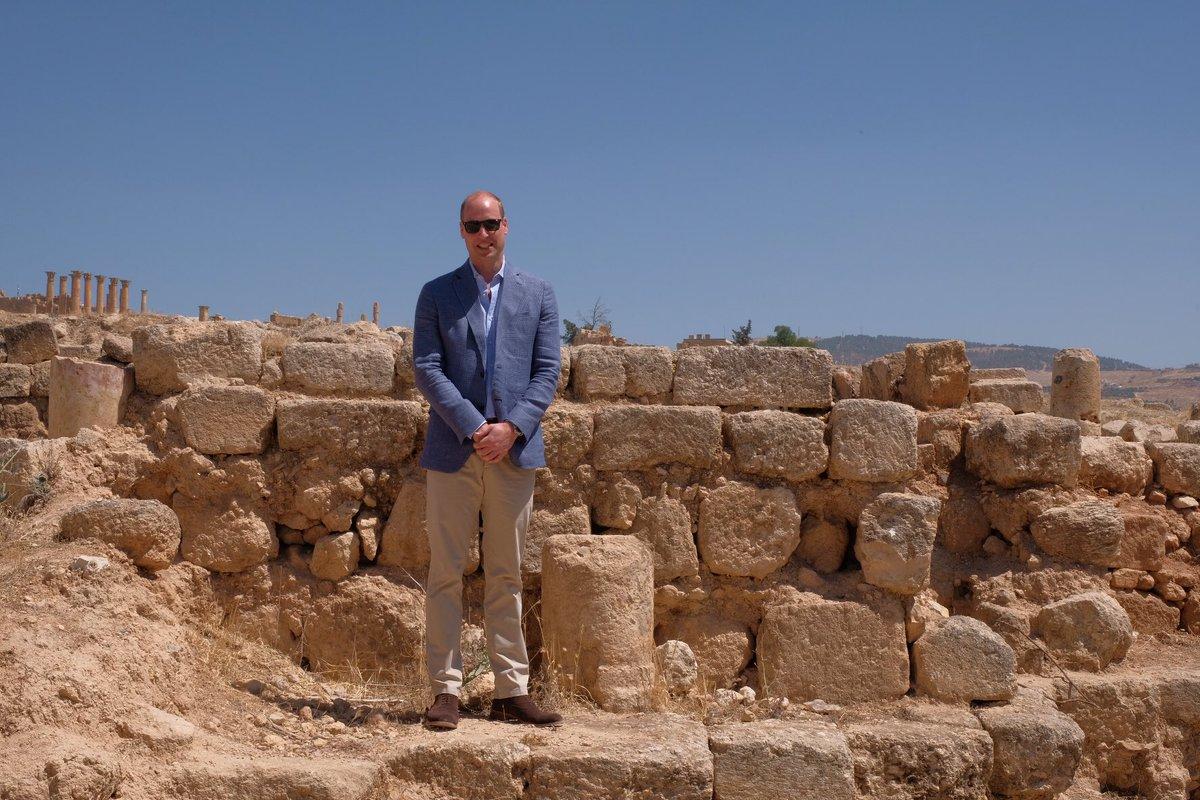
{"x":496,"y":279}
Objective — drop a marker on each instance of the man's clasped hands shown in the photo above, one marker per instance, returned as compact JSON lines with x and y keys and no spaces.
{"x":493,"y":440}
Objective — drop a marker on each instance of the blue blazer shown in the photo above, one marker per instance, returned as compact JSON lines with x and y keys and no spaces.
{"x":448,"y":362}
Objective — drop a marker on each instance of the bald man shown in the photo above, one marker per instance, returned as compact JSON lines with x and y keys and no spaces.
{"x":486,"y":357}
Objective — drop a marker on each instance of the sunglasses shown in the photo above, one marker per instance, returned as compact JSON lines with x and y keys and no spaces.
{"x":473,"y":225}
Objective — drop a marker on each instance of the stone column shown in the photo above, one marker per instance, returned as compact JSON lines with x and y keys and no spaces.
{"x":375,"y":312}
{"x":49,"y":291}
{"x":98,"y":308}
{"x":85,"y":394}
{"x":598,"y":618}
{"x":124,"y":307}
{"x":1075,"y":389}
{"x":203,"y":315}
{"x":63,"y":301}
{"x":341,"y":312}
{"x":76,"y":275}
{"x":87,"y":293}
{"x":362,"y":317}
{"x":110,"y":302}
{"x":145,"y":301}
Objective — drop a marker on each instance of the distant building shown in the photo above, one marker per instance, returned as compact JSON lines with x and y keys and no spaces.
{"x":701,"y":340}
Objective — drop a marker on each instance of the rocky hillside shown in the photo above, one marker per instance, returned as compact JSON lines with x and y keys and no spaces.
{"x":858,"y":349}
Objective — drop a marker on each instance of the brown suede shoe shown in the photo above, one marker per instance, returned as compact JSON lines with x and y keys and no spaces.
{"x":521,"y":709}
{"x":443,"y":713}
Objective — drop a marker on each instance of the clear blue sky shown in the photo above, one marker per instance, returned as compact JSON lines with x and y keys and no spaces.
{"x":1011,"y":171}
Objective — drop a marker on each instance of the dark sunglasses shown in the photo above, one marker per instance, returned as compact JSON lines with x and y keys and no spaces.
{"x":473,"y":225}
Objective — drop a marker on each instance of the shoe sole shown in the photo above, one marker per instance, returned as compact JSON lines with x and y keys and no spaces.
{"x":441,"y":726}
{"x":554,"y":724}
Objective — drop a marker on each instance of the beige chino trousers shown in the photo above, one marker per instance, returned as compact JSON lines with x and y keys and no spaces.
{"x":453,"y":501}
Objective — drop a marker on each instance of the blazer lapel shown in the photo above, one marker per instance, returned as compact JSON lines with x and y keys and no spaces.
{"x":468,"y":295}
{"x":511,"y":295}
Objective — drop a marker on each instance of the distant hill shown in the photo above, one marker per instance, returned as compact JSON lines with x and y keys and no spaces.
{"x":860,"y":349}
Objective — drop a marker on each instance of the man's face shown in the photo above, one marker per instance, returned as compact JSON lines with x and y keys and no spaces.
{"x":484,"y":247}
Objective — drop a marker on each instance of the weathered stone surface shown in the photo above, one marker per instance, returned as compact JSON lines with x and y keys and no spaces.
{"x":1177,"y":467}
{"x":362,"y":430}
{"x":146,"y":530}
{"x":823,"y":543}
{"x":567,"y":432}
{"x":277,"y":778}
{"x":226,"y":419}
{"x":597,"y":372}
{"x":335,"y":556}
{"x":1024,"y":449}
{"x":156,"y":728}
{"x":1089,"y":532}
{"x":1107,"y":462}
{"x":1020,"y":395}
{"x":846,"y":382}
{"x":1036,"y":749}
{"x":642,"y":437}
{"x":466,"y":765}
{"x":781,"y":760}
{"x":764,"y":377}
{"x":903,"y":760}
{"x":1190,"y":616}
{"x":748,"y":531}
{"x":838,"y":651}
{"x":664,"y":524}
{"x":1137,"y":431}
{"x":20,"y":420}
{"x":86,"y":394}
{"x":882,"y":377}
{"x":895,"y":539}
{"x":1143,"y":544}
{"x":1148,"y":614}
{"x":598,"y":618}
{"x":721,"y":646}
{"x":118,"y":347}
{"x":545,"y":523}
{"x":921,"y":612}
{"x":677,"y":665}
{"x":963,"y":660}
{"x":30,"y":342}
{"x":649,"y":371}
{"x":616,"y":503}
{"x":943,"y":431}
{"x":873,"y":441}
{"x":998,"y":373}
{"x":224,"y":531}
{"x":15,"y":380}
{"x":962,"y":524}
{"x":936,"y":374}
{"x":1085,"y":631}
{"x":777,"y":444}
{"x":39,"y":379}
{"x":353,"y":368}
{"x":167,"y":358}
{"x":1075,"y":388}
{"x":368,"y":626}
{"x":1188,"y":432}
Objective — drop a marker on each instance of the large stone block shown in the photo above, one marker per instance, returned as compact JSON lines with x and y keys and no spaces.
{"x":664,"y":524}
{"x":30,"y":342}
{"x":1075,"y":388}
{"x":649,"y":371}
{"x":781,"y":760}
{"x":1036,"y":751}
{"x":224,"y":532}
{"x":873,"y":441}
{"x":748,"y":531}
{"x":597,"y":372}
{"x":763,"y":377}
{"x":936,"y":374}
{"x":567,"y":432}
{"x":882,"y":377}
{"x":839,"y":651}
{"x":1177,"y":466}
{"x":15,"y":380}
{"x":895,"y":541}
{"x":721,"y":645}
{"x":1089,"y":532}
{"x":1085,"y":631}
{"x":1143,"y":544}
{"x":275,"y":777}
{"x":910,"y":760}
{"x":598,"y":618}
{"x":352,"y":368}
{"x":1020,"y":395}
{"x":1025,"y":449}
{"x":226,"y":419}
{"x":358,"y":430}
{"x":20,"y":420}
{"x":167,"y":358}
{"x":87,"y":394}
{"x":368,"y":626}
{"x":963,"y":660}
{"x":777,"y":444}
{"x":1188,"y":432}
{"x":642,"y":437}
{"x":146,"y":530}
{"x":998,"y":373}
{"x":1107,"y":462}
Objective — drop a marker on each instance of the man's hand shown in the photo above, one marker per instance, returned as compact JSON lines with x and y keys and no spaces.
{"x":492,"y":442}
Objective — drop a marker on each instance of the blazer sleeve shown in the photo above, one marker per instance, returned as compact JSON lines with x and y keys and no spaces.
{"x":543,"y":380}
{"x":429,"y":358}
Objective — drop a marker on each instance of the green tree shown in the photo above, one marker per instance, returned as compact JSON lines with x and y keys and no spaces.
{"x":784,"y":336}
{"x":569,"y":331}
{"x":741,"y":336}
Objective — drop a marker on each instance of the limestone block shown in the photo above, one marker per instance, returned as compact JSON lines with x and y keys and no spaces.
{"x":226,"y":419}
{"x":597,"y":372}
{"x":1020,"y":395}
{"x":677,"y":665}
{"x":997,"y":373}
{"x":1107,"y":462}
{"x":936,"y":374}
{"x":781,"y":760}
{"x":405,"y":543}
{"x":167,"y":358}
{"x":224,"y":532}
{"x":598,"y":618}
{"x":842,"y":651}
{"x":30,"y":342}
{"x":368,"y":626}
{"x":943,"y":430}
{"x":873,"y":441}
{"x":286,"y":777}
{"x":86,"y":394}
{"x":145,"y":530}
{"x":903,"y":760}
{"x":1036,"y":751}
{"x":748,"y":531}
{"x":882,"y":377}
{"x":823,"y":543}
{"x":777,"y":444}
{"x":15,"y":380}
{"x":1177,"y":467}
{"x":1143,"y":544}
{"x":1025,"y":449}
{"x":664,"y":524}
{"x":335,"y":556}
{"x":567,"y":431}
{"x":365,"y":430}
{"x":895,"y":539}
{"x":156,"y":728}
{"x":1148,"y":614}
{"x":1088,"y":532}
{"x":922,"y":611}
{"x":1075,"y":387}
{"x":39,"y":379}
{"x":846,"y":381}
{"x":963,"y":524}
{"x":963,"y":660}
{"x":20,"y":420}
{"x":617,"y":503}
{"x":353,"y":368}
{"x":1188,"y":432}
{"x":649,"y":371}
{"x":488,"y":767}
{"x":642,"y":437}
{"x":117,"y":347}
{"x":762,"y":377}
{"x":564,"y":369}
{"x":1137,"y":431}
{"x":545,"y":523}
{"x":369,"y":527}
{"x":721,"y":645}
{"x":1085,"y":631}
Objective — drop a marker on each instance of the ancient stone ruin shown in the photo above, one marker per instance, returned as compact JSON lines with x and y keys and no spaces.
{"x":750,"y":573}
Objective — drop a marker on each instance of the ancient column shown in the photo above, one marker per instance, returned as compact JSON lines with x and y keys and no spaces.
{"x":145,"y":301}
{"x":86,"y":394}
{"x":362,"y":317}
{"x":98,"y":308}
{"x":203,"y":313}
{"x":110,"y":302}
{"x":49,"y":291}
{"x":87,"y":293}
{"x":124,"y":307}
{"x":375,"y":312}
{"x":341,"y":312}
{"x":1075,"y":387}
{"x":63,"y":301}
{"x":76,"y":275}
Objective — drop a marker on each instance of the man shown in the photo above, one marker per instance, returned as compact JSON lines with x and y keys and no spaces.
{"x":486,"y":357}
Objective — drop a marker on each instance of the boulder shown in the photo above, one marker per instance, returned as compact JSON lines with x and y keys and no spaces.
{"x":167,"y":358}
{"x":1085,"y":631}
{"x":118,"y":347}
{"x":368,"y":626}
{"x":1036,"y":749}
{"x":721,"y":646}
{"x":567,"y":432}
{"x":664,"y":524}
{"x":30,"y":342}
{"x":87,"y":394}
{"x":873,"y":441}
{"x":1025,"y":449}
{"x":349,"y":368}
{"x":1088,"y":532}
{"x":823,"y":543}
{"x":226,"y":419}
{"x":777,"y":444}
{"x":748,"y":531}
{"x":882,"y":378}
{"x":895,"y":540}
{"x":1107,"y":462}
{"x":15,"y":380}
{"x":382,"y":431}
{"x":936,"y":374}
{"x":224,"y":532}
{"x":642,"y":437}
{"x":677,"y":666}
{"x":1075,"y":386}
{"x":145,"y":530}
{"x":761,"y":377}
{"x":1177,"y":467}
{"x":963,"y":660}
{"x":1021,"y":396}
{"x":781,"y":760}
{"x":335,"y":556}
{"x":914,"y":760}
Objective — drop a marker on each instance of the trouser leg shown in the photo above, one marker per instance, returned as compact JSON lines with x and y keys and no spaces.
{"x":452,"y":504}
{"x":507,"y":502}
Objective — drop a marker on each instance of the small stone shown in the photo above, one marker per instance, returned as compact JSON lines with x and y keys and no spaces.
{"x":1145,"y":582}
{"x":677,"y":665}
{"x":1183,"y":502}
{"x":319,"y":742}
{"x":1171,"y":542}
{"x":88,"y":565}
{"x":1171,"y":592}
{"x":336,"y":727}
{"x":273,"y":740}
{"x":747,"y":694}
{"x":1156,"y":498}
{"x":277,"y":718}
{"x":1124,"y":578}
{"x":68,"y":693}
{"x":305,"y":713}
{"x":995,"y":546}
{"x":819,"y":706}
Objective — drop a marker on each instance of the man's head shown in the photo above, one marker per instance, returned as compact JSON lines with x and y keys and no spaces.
{"x":484,"y":228}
